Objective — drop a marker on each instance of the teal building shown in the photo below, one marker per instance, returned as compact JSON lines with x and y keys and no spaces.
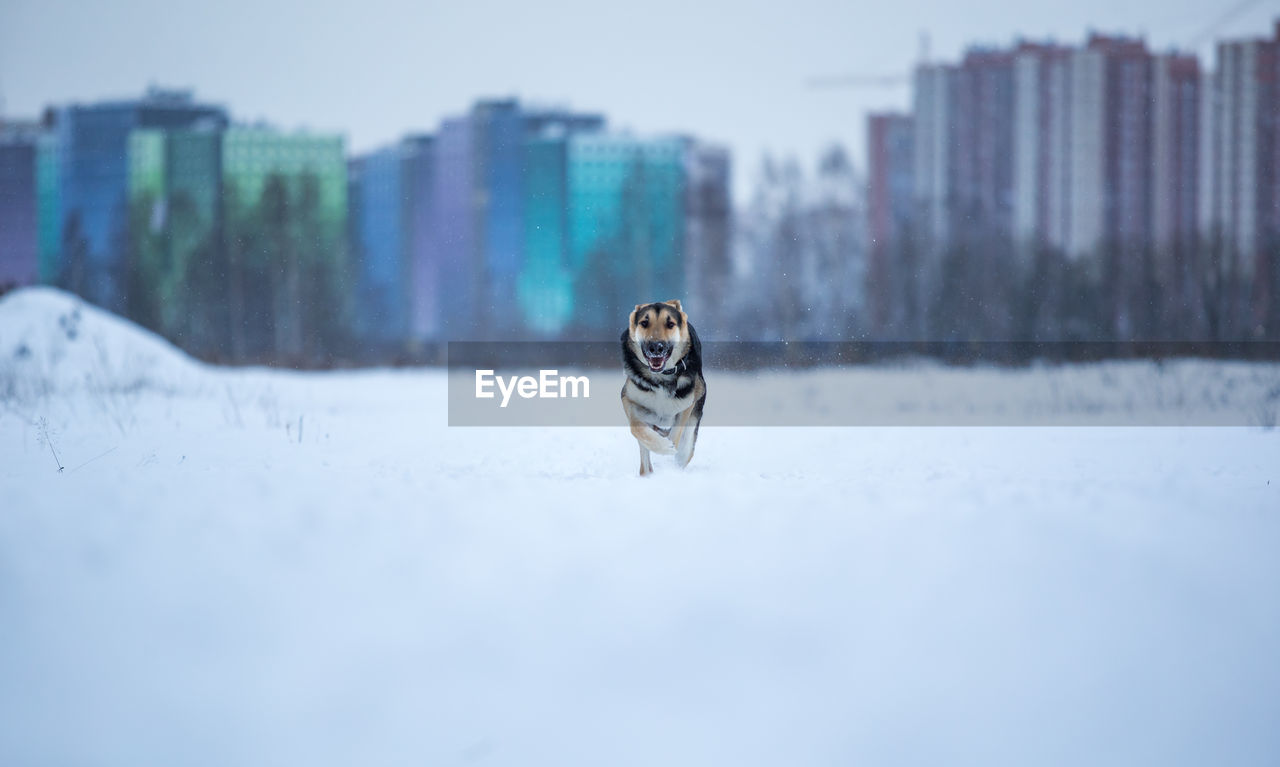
{"x":626,"y":226}
{"x":48,"y":208}
{"x":545,"y":289}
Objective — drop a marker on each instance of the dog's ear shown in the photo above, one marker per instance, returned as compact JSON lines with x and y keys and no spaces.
{"x":676,"y":304}
{"x":634,"y":312}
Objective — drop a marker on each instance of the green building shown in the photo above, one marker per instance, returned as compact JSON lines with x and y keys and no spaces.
{"x":174,"y":191}
{"x":284,"y":207}
{"x":252,"y":155}
{"x":148,"y":251}
{"x":237,"y":240}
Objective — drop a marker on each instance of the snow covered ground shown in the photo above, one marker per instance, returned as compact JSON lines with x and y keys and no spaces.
{"x":266,"y":568}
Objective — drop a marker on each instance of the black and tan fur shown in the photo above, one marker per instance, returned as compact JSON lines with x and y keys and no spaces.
{"x":664,"y":391}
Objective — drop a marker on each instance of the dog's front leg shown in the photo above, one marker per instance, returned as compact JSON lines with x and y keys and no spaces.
{"x":650,"y":439}
{"x":646,"y":466}
{"x":686,"y":437}
{"x":682,"y":420}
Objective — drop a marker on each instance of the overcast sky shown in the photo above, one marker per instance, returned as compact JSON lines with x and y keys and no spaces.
{"x":734,"y":72}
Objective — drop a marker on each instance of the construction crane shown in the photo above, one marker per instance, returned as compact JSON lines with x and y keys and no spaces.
{"x":858,"y":81}
{"x":1231,"y":13}
{"x":872,"y":81}
{"x":899,"y":80}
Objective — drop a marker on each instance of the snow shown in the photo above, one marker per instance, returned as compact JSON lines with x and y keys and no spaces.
{"x":53,"y":343}
{"x":255,"y":567}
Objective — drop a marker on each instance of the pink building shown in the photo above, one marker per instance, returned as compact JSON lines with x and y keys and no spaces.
{"x":1241,"y":170}
{"x":982,"y":194}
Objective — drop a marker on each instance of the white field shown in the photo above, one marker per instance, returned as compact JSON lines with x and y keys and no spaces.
{"x":266,"y":568}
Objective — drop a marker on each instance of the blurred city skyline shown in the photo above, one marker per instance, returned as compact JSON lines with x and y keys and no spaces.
{"x":742,"y":76}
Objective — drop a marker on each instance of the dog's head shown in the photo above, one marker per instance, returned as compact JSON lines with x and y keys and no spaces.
{"x":659,"y":334}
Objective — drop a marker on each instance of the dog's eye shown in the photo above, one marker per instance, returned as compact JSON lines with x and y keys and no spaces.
{"x":670,"y":324}
{"x":644,"y":323}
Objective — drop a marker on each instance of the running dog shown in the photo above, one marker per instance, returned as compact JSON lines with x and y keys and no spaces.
{"x":664,"y":391}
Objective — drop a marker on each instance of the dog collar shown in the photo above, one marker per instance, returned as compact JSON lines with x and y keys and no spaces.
{"x":678,"y":367}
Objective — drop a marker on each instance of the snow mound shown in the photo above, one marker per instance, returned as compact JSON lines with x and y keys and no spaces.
{"x":52,"y":342}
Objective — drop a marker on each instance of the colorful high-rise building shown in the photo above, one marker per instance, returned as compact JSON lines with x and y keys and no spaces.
{"x":418,"y":185}
{"x":497,"y":222}
{"x":19,"y":225}
{"x":396,"y":293}
{"x":498,"y":135}
{"x":174,"y":188}
{"x":92,"y":178}
{"x":236,"y":239}
{"x":284,"y":208}
{"x":626,"y":224}
{"x":452,"y":227}
{"x":379,"y":214}
{"x":545,"y":285}
{"x":243,"y":242}
{"x":48,"y":206}
{"x":545,"y":289}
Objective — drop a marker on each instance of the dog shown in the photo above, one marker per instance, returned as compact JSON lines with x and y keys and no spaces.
{"x":664,"y":392}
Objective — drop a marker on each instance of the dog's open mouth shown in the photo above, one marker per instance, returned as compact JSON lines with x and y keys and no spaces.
{"x":656,"y":361}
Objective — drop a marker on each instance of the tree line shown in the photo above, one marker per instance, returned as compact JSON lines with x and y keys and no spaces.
{"x":231,"y":278}
{"x":804,"y":271}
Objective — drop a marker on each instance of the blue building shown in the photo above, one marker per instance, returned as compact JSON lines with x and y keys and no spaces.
{"x":397,"y":299}
{"x":514,"y":222}
{"x":19,"y":232}
{"x":453,"y":237}
{"x":379,"y":246}
{"x":418,"y":185}
{"x":498,"y":187}
{"x":92,"y":170}
{"x":498,"y":157}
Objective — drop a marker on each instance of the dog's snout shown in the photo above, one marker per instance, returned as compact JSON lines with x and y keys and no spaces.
{"x":656,"y":347}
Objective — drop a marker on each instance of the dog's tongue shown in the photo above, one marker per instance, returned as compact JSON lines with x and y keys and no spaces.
{"x":656,"y":363}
